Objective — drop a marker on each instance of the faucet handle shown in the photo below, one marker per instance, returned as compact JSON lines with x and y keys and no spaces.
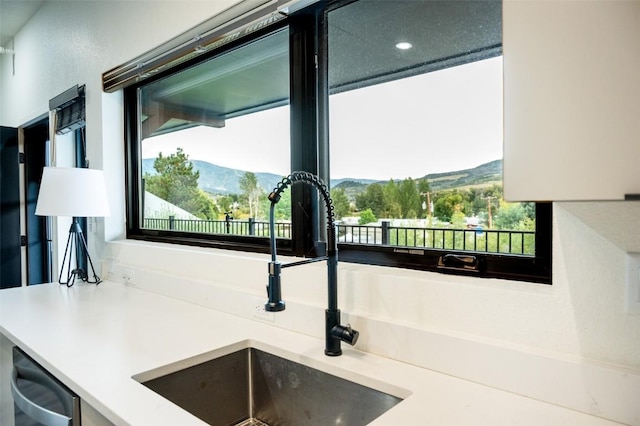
{"x":346,"y":334}
{"x":353,"y":335}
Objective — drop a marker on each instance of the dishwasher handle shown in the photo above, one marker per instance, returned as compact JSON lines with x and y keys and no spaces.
{"x":28,"y":407}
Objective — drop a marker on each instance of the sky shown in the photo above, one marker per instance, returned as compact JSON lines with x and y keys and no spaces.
{"x":442,"y":121}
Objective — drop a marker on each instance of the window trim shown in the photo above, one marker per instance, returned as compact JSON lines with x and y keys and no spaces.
{"x":309,"y":125}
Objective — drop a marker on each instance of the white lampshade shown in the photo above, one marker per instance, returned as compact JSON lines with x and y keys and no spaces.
{"x":72,"y":192}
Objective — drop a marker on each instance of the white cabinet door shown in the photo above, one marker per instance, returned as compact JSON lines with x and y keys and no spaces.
{"x":571,"y":99}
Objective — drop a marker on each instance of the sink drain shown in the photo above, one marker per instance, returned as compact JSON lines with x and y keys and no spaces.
{"x":251,"y":422}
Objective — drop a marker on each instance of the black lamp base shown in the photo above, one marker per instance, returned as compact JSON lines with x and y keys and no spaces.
{"x":77,"y":244}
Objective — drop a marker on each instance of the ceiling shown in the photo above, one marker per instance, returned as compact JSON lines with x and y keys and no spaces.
{"x":442,"y":34}
{"x":13,"y":15}
{"x":362,"y":51}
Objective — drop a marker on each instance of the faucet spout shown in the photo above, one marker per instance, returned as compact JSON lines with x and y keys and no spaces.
{"x":335,"y":333}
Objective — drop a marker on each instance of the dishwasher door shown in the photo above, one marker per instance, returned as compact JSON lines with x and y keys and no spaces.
{"x":39,"y":398}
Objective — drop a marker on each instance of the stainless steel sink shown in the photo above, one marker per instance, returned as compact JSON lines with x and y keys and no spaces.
{"x":250,"y":387}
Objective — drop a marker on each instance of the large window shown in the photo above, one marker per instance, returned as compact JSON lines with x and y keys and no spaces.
{"x":416,"y":139}
{"x":212,"y":138}
{"x":396,"y":104}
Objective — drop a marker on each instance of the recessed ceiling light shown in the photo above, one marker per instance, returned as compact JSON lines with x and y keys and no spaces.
{"x":404,"y":45}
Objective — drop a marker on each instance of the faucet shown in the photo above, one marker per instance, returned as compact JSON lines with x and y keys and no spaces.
{"x":334,"y":332}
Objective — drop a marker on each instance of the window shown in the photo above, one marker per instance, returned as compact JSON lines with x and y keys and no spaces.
{"x":206,"y":137}
{"x":416,"y":139}
{"x":397,"y":104}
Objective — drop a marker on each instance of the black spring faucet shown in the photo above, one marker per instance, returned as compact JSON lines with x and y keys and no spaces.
{"x":334,"y":332}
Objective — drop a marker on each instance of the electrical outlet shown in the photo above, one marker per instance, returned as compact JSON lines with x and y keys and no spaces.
{"x":632,"y":290}
{"x":107,"y":270}
{"x":111,"y":269}
{"x":128,"y":276}
{"x":258,"y":311}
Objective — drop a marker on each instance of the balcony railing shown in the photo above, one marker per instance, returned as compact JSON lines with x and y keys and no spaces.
{"x":471,"y":240}
{"x":476,"y":240}
{"x":234,"y":227}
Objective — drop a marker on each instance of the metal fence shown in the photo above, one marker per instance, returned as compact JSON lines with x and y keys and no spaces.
{"x":472,"y":240}
{"x":235,"y":227}
{"x":476,"y":240}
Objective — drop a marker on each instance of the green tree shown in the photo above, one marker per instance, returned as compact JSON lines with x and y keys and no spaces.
{"x":478,"y":199}
{"x":423,"y":189}
{"x":251,"y":192}
{"x":392,"y":207}
{"x":513,"y":216}
{"x":228,"y":202}
{"x":476,"y":203}
{"x":372,"y":198}
{"x":366,"y":216}
{"x":341,"y":204}
{"x":457,"y":220}
{"x":174,"y":173}
{"x":282,"y":209}
{"x":530,"y":210}
{"x":177,"y":183}
{"x":409,"y":198}
{"x":447,"y":204}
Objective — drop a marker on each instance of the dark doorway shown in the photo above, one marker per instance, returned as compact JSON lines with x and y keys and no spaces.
{"x":10,"y":252}
{"x":39,"y":246}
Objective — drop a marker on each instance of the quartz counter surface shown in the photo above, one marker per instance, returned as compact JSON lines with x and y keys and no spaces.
{"x":95,"y":339}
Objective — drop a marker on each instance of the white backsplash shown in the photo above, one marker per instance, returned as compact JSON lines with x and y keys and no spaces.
{"x":567,"y":343}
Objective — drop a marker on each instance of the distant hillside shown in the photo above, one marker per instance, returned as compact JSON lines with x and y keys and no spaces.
{"x":352,"y":187}
{"x":223,"y":180}
{"x":346,"y":183}
{"x":220,"y":180}
{"x":484,"y":174}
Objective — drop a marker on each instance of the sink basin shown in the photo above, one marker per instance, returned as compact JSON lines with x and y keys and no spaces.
{"x":253,"y":387}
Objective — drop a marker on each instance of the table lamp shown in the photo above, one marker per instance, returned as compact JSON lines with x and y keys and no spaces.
{"x":75,"y":192}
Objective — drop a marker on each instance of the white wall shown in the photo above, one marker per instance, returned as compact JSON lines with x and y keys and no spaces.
{"x":579,"y":317}
{"x":74,"y":42}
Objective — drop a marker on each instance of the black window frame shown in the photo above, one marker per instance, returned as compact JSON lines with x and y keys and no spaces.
{"x":133,"y":172}
{"x":309,"y":95}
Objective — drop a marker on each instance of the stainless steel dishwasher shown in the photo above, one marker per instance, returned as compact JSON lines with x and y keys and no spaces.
{"x":39,"y":398}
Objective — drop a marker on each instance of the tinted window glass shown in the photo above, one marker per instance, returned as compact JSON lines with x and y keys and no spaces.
{"x":209,"y":138}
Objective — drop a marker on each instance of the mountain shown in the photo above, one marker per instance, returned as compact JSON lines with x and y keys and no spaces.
{"x":482,"y":175}
{"x":223,"y":180}
{"x":352,"y":187}
{"x":351,"y":182}
{"x":220,"y":180}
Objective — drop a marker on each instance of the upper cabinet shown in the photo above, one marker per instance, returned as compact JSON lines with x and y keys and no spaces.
{"x":571,"y":99}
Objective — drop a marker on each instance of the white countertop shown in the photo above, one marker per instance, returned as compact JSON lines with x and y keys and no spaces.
{"x":95,"y":338}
